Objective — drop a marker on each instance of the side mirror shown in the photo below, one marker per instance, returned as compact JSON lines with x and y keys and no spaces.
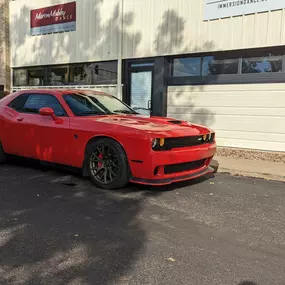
{"x":47,"y":112}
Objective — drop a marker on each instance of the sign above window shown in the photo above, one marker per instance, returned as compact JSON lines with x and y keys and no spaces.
{"x":216,"y":9}
{"x":53,"y":19}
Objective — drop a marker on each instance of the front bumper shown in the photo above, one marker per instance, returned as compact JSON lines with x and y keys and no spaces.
{"x":166,"y":181}
{"x":152,"y":170}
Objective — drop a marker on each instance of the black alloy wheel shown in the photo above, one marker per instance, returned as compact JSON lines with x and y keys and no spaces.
{"x":104,"y":164}
{"x":107,"y":164}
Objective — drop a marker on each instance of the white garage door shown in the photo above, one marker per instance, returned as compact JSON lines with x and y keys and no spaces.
{"x":244,"y":116}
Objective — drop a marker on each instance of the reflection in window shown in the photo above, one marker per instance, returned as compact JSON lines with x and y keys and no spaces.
{"x":93,"y":73}
{"x":57,"y":75}
{"x":36,"y":76}
{"x":97,"y":73}
{"x":262,"y":64}
{"x":188,"y":66}
{"x":32,"y":76}
{"x":20,"y":77}
{"x":84,"y":104}
{"x":213,"y":66}
{"x":35,"y":102}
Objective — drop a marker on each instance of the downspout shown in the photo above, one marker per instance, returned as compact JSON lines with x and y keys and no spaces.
{"x":120,"y":51}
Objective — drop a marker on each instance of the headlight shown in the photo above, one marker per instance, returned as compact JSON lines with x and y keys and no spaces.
{"x":208,"y":137}
{"x":158,"y":143}
{"x":154,"y":143}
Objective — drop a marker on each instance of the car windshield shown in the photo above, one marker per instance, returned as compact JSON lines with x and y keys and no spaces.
{"x":88,"y":104}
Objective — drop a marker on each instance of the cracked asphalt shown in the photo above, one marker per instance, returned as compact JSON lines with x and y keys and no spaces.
{"x":57,"y":228}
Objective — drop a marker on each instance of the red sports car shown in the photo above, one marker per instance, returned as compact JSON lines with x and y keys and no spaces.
{"x":104,"y":137}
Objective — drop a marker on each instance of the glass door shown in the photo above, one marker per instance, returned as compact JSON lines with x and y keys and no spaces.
{"x":141,"y":91}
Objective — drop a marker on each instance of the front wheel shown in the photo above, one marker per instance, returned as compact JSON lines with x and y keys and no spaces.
{"x":107,"y":164}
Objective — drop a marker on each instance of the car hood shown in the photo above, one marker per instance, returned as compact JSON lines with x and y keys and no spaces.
{"x":166,"y":127}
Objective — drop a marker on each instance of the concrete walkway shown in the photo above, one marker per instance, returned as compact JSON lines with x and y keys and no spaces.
{"x":251,"y":168}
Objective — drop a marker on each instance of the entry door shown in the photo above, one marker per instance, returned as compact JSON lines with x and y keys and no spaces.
{"x":141,"y":91}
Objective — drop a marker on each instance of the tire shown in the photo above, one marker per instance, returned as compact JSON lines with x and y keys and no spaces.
{"x":2,"y":155}
{"x":107,"y":156}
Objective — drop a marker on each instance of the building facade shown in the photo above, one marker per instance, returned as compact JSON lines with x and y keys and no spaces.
{"x":217,"y":63}
{"x":4,"y":47}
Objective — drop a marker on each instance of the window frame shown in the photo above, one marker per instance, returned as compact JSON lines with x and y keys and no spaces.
{"x":32,"y":113}
{"x":239,"y":77}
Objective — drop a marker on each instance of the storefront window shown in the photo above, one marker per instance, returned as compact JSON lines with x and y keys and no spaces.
{"x":79,"y":75}
{"x":57,"y":75}
{"x":20,"y":77}
{"x":213,"y":66}
{"x":93,"y":73}
{"x":262,"y":64}
{"x":36,"y":76}
{"x":32,"y":76}
{"x":187,"y":66}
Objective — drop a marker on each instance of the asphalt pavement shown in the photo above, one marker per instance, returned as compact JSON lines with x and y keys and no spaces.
{"x":57,"y":228}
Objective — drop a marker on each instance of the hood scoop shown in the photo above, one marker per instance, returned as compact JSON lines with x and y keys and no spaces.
{"x":175,"y":122}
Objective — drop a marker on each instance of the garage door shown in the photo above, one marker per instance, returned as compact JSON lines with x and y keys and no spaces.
{"x":248,"y":116}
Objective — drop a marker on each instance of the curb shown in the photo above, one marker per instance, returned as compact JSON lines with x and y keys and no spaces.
{"x":265,"y":176}
{"x":251,"y":174}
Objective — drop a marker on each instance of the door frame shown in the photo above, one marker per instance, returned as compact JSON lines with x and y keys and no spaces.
{"x":128,"y":69}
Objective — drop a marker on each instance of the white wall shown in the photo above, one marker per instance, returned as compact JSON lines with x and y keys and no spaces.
{"x":95,"y":38}
{"x":151,"y":27}
{"x":243,"y":116}
{"x":178,"y":26}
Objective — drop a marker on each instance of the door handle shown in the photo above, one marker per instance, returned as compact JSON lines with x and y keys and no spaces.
{"x":149,"y":104}
{"x":20,"y":119}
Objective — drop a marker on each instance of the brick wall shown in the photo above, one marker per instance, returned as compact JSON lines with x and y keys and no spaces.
{"x":4,"y":45}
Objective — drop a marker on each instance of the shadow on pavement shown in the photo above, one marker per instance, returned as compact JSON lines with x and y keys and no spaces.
{"x":51,"y":233}
{"x":149,"y":190}
{"x":172,"y":187}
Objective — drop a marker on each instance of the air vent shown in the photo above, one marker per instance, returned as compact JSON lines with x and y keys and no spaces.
{"x":175,"y":122}
{"x":175,"y":168}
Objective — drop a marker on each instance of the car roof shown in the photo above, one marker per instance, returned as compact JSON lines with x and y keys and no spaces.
{"x":63,"y":91}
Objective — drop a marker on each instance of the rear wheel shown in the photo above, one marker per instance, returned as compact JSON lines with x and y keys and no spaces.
{"x":107,"y":164}
{"x":2,"y":154}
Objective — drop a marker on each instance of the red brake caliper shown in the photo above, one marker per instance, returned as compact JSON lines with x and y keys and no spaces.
{"x":100,"y":163}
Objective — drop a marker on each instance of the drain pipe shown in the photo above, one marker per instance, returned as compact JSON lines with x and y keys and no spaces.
{"x":120,"y":51}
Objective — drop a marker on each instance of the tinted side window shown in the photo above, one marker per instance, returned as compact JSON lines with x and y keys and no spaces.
{"x":32,"y":103}
{"x":37,"y":101}
{"x":18,"y":103}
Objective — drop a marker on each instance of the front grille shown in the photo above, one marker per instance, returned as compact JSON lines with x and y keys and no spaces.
{"x":171,"y":143}
{"x":187,"y":166}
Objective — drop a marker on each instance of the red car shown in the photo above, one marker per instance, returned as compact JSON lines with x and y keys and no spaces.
{"x":104,"y":137}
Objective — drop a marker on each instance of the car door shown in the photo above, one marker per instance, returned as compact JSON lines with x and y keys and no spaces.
{"x":51,"y":141}
{"x":18,"y":128}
